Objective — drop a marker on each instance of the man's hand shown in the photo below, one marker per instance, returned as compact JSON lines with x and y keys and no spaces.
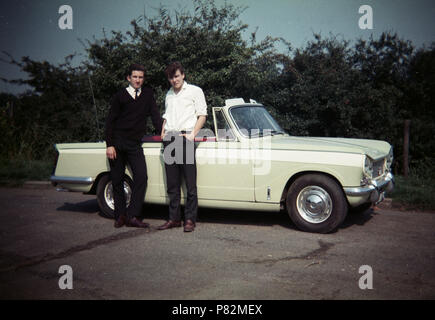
{"x":190,"y":136}
{"x":162,"y":135}
{"x":199,"y":124}
{"x":111,"y":153}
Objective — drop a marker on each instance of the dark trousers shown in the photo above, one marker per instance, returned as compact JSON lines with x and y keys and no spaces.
{"x":180,"y":161}
{"x":130,"y":152}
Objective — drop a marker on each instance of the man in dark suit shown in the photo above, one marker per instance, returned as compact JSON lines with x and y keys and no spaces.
{"x":125,"y":127}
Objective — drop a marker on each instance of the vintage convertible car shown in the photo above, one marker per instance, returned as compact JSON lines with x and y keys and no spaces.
{"x":249,"y":163}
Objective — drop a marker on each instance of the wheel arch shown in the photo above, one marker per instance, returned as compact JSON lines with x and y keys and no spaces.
{"x":96,"y":181}
{"x":297,"y":175}
{"x":94,"y":187}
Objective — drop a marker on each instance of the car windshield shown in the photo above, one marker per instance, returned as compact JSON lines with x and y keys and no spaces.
{"x":255,"y":121}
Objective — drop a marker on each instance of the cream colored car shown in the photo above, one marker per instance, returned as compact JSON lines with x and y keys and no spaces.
{"x":249,"y":163}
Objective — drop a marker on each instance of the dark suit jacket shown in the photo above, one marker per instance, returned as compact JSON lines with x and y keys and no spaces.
{"x":127,"y":116}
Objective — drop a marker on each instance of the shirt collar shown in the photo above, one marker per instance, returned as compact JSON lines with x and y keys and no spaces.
{"x":184,"y":87}
{"x":132,"y":90}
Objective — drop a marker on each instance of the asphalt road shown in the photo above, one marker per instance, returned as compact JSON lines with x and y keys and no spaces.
{"x":231,"y":254}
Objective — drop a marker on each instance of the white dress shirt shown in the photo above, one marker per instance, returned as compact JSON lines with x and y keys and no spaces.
{"x":182,"y":109}
{"x":132,"y":91}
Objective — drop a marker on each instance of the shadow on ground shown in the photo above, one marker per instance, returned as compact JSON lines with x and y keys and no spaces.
{"x":88,"y":206}
{"x":229,"y":217}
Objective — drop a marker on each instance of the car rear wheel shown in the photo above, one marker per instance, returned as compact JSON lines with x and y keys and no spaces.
{"x":316,"y":203}
{"x":105,"y":195}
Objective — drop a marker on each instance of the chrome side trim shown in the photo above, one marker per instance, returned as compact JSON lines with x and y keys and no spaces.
{"x":380,"y":185}
{"x":72,"y":180}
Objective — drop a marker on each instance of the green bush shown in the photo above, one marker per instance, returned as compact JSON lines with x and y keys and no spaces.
{"x":416,"y":191}
{"x":15,"y":172}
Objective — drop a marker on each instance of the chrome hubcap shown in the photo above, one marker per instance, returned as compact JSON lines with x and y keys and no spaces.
{"x":314,"y":204}
{"x":108,"y":194}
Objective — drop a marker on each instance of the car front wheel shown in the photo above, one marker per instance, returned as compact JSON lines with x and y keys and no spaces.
{"x":105,"y":195}
{"x":316,"y":203}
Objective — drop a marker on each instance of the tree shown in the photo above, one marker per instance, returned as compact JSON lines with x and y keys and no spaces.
{"x":420,"y":99}
{"x":208,"y":42}
{"x":326,"y":88}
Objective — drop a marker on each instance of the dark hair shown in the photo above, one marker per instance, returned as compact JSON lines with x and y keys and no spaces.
{"x":172,"y":68}
{"x":135,"y":67}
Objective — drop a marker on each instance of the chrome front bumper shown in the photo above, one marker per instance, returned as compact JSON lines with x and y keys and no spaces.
{"x":376,"y":189}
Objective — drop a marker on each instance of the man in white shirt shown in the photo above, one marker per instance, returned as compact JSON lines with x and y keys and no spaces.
{"x":185,"y":115}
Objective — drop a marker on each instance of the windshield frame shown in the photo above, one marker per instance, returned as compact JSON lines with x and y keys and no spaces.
{"x":241,"y":132}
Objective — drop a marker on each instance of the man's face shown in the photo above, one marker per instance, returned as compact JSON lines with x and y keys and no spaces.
{"x":136,"y":79}
{"x":177,"y":80}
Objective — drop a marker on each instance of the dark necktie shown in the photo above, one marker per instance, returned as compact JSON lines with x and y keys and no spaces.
{"x":136,"y":92}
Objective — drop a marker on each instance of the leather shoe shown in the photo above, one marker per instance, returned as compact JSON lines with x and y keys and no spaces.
{"x":134,"y":222}
{"x":189,"y":226}
{"x":170,"y":224}
{"x":120,"y":221}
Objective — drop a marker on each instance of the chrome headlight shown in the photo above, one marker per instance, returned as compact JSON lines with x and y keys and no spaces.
{"x":389,"y":160}
{"x":368,"y":167}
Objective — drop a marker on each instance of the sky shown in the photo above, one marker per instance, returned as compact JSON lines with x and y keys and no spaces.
{"x":31,"y":27}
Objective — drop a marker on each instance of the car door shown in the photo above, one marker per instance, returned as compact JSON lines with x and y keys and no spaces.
{"x":224,"y":166}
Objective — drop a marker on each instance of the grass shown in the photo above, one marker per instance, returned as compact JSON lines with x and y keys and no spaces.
{"x":414,"y":192}
{"x":16,"y":172}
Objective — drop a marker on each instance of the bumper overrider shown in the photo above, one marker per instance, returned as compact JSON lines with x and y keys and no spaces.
{"x":376,"y":189}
